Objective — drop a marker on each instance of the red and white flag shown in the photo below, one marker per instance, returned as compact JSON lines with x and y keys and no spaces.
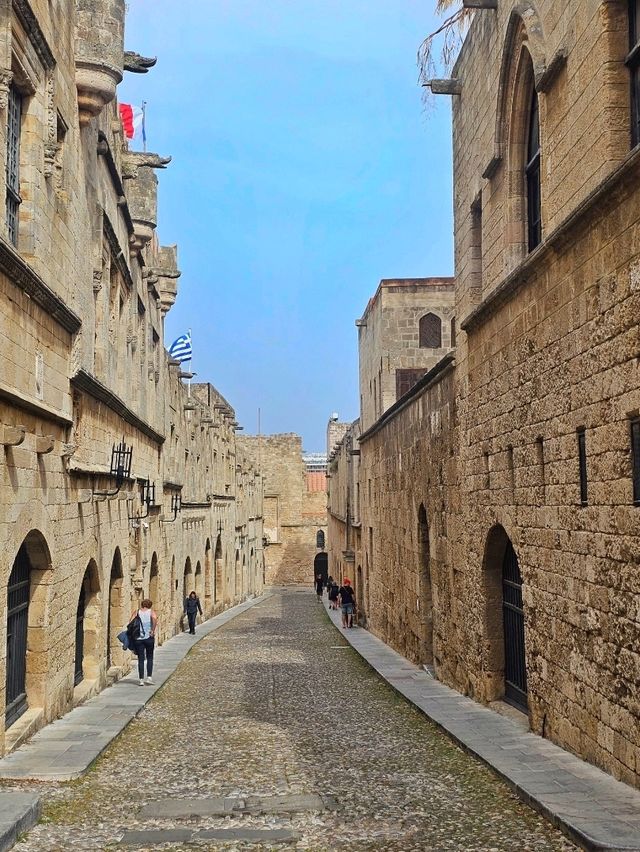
{"x":132,"y":118}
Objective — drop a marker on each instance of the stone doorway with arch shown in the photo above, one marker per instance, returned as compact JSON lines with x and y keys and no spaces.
{"x":117,"y":616}
{"x":199,"y":581}
{"x":208,"y":578}
{"x":505,"y":652}
{"x":238,"y":577}
{"x":26,"y":664}
{"x":187,"y":580}
{"x":154,"y":588}
{"x":218,"y":591}
{"x":321,"y":566}
{"x":425,"y":594}
{"x":88,"y":654}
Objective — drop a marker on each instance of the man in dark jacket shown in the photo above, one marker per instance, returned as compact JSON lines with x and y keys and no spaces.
{"x":191,"y":609}
{"x":347,"y":602}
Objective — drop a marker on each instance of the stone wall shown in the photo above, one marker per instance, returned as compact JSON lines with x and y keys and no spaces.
{"x":84,"y":291}
{"x":389,"y":339}
{"x":293,"y":515}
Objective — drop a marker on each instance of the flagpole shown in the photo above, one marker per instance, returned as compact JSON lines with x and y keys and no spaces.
{"x":190,"y":366}
{"x":144,"y":126}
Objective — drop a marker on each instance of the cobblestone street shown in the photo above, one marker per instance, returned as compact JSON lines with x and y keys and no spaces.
{"x":274,"y":725}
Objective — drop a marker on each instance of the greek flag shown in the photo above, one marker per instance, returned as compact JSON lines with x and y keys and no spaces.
{"x":180,"y":349}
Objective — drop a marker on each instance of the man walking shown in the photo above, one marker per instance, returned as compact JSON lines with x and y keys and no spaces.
{"x":347,"y":603}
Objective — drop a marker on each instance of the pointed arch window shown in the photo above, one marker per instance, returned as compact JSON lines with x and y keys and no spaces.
{"x":633,"y":64}
{"x":532,"y":176}
{"x":430,"y":332}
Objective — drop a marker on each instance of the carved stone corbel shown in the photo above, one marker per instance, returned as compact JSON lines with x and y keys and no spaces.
{"x":44,"y":444}
{"x":6,"y":76}
{"x":13,"y":436}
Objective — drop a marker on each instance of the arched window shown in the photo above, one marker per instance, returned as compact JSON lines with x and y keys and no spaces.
{"x":633,"y":63}
{"x":532,"y":176}
{"x":430,"y":332}
{"x":320,"y":539}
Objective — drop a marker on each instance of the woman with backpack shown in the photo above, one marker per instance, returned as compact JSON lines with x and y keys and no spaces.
{"x":142,"y":632}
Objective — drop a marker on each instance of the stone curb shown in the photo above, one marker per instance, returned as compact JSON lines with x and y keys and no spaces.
{"x":594,"y":810}
{"x":18,"y":813}
{"x":66,"y":748}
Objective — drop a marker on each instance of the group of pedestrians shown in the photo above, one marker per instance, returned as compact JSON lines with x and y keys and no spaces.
{"x":339,"y":596}
{"x":140,"y":635}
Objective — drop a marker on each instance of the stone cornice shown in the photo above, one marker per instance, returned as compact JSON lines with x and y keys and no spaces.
{"x":27,"y":279}
{"x":27,"y":18}
{"x":104,"y":150}
{"x":34,"y":406}
{"x":434,"y":375}
{"x":87,"y":383}
{"x":609,"y":193}
{"x":117,"y":252}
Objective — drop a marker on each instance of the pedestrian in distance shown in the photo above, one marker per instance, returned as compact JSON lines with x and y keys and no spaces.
{"x":319,"y":586}
{"x":142,"y":635}
{"x":347,"y":602}
{"x":191,"y":609}
{"x":333,"y":595}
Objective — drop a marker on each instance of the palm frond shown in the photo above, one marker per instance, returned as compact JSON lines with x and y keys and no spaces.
{"x":438,"y":52}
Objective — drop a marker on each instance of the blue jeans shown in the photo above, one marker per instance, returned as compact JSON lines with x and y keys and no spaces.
{"x":144,"y":647}
{"x":192,"y":621}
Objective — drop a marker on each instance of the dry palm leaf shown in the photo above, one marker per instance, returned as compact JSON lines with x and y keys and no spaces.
{"x":438,"y":52}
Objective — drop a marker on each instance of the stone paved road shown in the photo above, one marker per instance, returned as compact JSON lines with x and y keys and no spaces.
{"x":274,"y":704}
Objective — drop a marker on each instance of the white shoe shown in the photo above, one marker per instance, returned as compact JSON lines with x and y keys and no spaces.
{"x":141,"y":682}
{"x":150,"y":680}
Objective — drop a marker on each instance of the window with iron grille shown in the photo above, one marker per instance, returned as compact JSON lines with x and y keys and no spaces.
{"x":430,"y":332}
{"x":532,"y":173}
{"x":635,"y":459}
{"x":14,"y":122}
{"x":633,"y":64}
{"x":582,"y":459}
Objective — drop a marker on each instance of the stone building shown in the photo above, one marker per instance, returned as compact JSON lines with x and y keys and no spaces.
{"x":500,"y":531}
{"x":408,"y":325}
{"x":116,"y":481}
{"x":294,"y":510}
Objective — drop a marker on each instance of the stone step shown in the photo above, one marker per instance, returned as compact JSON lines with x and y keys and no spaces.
{"x":238,"y":805}
{"x":156,"y":836}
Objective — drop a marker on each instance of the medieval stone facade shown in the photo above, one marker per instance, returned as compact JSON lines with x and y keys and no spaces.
{"x":116,"y":481}
{"x":294,"y":509}
{"x":499,"y":496}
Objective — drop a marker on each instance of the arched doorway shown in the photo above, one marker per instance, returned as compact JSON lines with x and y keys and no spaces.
{"x":425,"y":599}
{"x":321,"y":566}
{"x":208,"y":577}
{"x":199,"y":581}
{"x":187,"y":581}
{"x":504,"y":621}
{"x":26,"y":664}
{"x":17,"y":626}
{"x":87,"y":644}
{"x":218,"y":592}
{"x":154,"y":583}
{"x":116,"y":617}
{"x":237,"y":576}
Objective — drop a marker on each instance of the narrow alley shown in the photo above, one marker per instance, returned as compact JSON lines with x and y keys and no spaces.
{"x":274,"y":731}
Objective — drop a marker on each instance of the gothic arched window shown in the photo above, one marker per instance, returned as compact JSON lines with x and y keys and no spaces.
{"x":430,"y":332}
{"x":532,"y":173}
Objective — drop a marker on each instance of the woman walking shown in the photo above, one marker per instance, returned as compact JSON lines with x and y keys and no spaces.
{"x":192,"y":608}
{"x":144,"y":642}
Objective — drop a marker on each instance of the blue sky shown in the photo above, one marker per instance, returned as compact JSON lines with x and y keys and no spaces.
{"x":304,"y":171}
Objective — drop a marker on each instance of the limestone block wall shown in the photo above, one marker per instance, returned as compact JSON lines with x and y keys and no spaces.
{"x":292,"y":514}
{"x":388,"y":337}
{"x":83,"y":299}
{"x":409,"y":475}
{"x":547,"y":349}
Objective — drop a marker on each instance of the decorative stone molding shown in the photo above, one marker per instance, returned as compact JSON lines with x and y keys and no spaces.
{"x":29,"y":21}
{"x":87,"y":383}
{"x":51,"y":139}
{"x":6,"y":76}
{"x":13,"y":436}
{"x":24,"y":277}
{"x":44,"y":444}
{"x":167,"y":275}
{"x":553,"y":69}
{"x":96,"y":85}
